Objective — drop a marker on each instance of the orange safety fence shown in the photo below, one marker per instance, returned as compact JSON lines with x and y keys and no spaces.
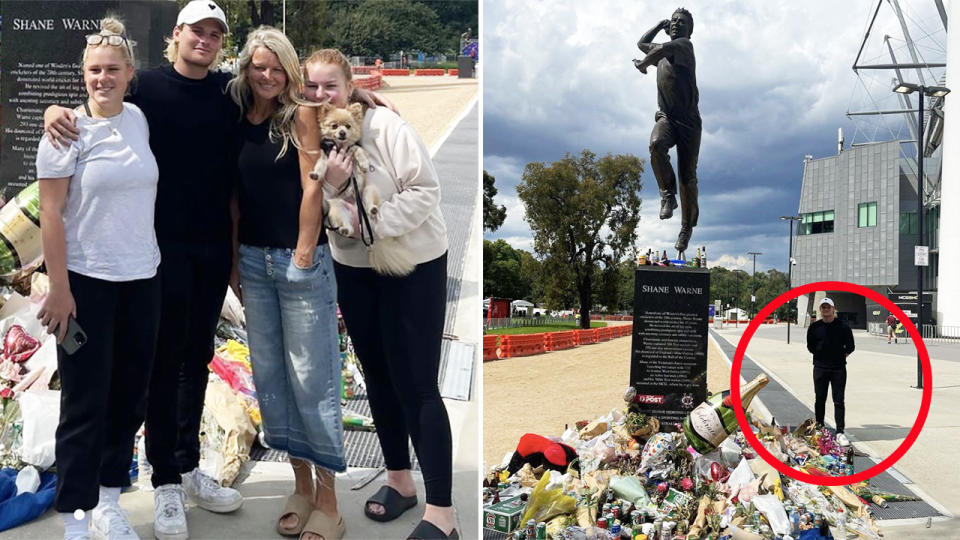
{"x":490,"y":347}
{"x":395,"y":72}
{"x":603,"y":334}
{"x":362,"y":70}
{"x":453,"y":72}
{"x":428,"y":72}
{"x":373,"y":82}
{"x":512,"y":345}
{"x":585,"y":337}
{"x":556,"y":341}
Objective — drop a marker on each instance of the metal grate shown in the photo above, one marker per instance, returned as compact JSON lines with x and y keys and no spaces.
{"x":489,"y":534}
{"x":456,"y":164}
{"x":459,"y":360}
{"x":361,"y":448}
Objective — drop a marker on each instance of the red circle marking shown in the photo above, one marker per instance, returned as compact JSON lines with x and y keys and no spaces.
{"x":738,"y":363}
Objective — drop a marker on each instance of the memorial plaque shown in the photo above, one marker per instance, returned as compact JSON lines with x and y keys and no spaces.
{"x":40,"y":66}
{"x":668,"y":360}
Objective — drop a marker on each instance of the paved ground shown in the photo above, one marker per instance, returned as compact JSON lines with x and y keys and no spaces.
{"x":881,"y":409}
{"x":432,"y":106}
{"x":517,"y":391}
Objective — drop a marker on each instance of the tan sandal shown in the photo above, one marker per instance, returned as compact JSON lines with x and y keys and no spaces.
{"x":321,"y":524}
{"x":299,"y":506}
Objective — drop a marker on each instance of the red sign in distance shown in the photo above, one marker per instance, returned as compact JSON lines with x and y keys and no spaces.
{"x":738,"y":363}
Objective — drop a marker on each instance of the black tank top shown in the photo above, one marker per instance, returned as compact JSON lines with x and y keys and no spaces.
{"x":270,"y":191}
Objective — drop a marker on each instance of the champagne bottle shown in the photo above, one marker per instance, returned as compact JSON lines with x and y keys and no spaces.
{"x":713,"y":420}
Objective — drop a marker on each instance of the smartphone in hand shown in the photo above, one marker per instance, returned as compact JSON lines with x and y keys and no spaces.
{"x":75,"y":337}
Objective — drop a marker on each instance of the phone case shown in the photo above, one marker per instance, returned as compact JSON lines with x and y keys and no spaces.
{"x":75,"y":337}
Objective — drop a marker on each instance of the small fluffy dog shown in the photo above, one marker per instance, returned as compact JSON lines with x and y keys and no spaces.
{"x":341,"y":129}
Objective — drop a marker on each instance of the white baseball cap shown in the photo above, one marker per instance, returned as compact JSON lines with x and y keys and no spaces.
{"x":198,"y":10}
{"x":826,"y":301}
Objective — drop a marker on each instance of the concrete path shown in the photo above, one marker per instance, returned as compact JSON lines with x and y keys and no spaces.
{"x":881,"y":408}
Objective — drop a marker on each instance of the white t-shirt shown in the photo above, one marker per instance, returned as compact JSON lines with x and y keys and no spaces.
{"x":108,"y":219}
{"x":409,"y":187}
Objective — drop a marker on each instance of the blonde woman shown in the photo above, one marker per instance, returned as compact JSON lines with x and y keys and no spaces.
{"x":96,"y":213}
{"x":399,"y":351}
{"x":289,"y":289}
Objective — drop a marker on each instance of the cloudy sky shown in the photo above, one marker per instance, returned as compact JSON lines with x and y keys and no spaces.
{"x":775,"y":82}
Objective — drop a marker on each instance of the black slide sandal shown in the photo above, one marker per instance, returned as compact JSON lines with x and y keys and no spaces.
{"x":394,"y":504}
{"x":428,"y":531}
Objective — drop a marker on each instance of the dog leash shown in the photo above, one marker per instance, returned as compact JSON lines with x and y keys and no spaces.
{"x":362,"y":214}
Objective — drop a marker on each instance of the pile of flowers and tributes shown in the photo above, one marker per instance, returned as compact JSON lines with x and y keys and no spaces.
{"x":623,"y":476}
{"x":30,"y":388}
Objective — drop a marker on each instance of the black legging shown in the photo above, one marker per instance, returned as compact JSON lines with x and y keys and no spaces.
{"x":837,"y":378}
{"x":396,"y":325}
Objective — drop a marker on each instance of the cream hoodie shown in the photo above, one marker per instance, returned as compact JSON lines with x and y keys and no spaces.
{"x":409,"y":187}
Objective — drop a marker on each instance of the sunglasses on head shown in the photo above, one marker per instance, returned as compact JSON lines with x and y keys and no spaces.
{"x":113,"y":39}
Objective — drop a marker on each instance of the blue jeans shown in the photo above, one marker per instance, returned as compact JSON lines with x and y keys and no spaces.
{"x":292,"y":329}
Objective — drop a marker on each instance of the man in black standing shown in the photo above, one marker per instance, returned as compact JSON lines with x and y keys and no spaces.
{"x":678,"y":120}
{"x":830,"y":341}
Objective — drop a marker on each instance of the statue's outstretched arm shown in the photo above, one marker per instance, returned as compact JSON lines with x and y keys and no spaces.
{"x":645,"y":40}
{"x":655,"y":52}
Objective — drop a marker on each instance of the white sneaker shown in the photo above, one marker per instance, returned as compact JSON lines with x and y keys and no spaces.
{"x":208,"y":494}
{"x":842,"y":440}
{"x":109,"y":521}
{"x":169,"y":518}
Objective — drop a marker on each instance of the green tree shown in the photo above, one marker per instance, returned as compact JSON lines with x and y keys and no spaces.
{"x":531,"y":276}
{"x":581,"y":209}
{"x":493,"y":215}
{"x":625,"y":287}
{"x":382,"y":27}
{"x":502,"y":277}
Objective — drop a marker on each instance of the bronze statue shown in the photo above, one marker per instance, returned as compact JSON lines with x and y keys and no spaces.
{"x":677,"y":121}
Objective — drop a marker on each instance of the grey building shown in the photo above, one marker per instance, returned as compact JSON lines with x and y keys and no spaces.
{"x":859,"y":224}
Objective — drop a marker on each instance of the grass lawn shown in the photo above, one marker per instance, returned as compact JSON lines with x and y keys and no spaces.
{"x":545,"y":328}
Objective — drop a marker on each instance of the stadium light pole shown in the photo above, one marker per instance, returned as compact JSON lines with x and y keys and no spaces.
{"x":932,"y":91}
{"x":753,"y":295}
{"x":791,"y":219}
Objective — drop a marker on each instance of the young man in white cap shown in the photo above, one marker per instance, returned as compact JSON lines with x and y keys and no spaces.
{"x":830,"y":341}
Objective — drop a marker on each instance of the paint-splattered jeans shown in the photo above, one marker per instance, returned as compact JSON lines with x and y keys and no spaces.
{"x":292,"y":328}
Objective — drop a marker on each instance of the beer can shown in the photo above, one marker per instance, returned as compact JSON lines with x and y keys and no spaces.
{"x":531,"y":529}
{"x":606,"y":508}
{"x":541,"y":531}
{"x":615,"y":509}
{"x":636,"y":517}
{"x":602,"y":522}
{"x":615,"y":530}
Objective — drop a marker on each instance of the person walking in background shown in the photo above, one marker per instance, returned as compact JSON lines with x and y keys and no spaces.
{"x":399,"y":352}
{"x":97,"y":198}
{"x":830,"y":341}
{"x":891,"y":328}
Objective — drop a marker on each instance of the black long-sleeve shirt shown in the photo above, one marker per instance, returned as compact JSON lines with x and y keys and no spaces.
{"x":830,"y":343}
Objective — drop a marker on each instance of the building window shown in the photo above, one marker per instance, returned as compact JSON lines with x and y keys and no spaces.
{"x":908,"y":223}
{"x":867,"y":214}
{"x":816,"y":222}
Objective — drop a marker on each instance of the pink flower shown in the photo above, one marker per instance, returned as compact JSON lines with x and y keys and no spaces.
{"x":6,"y":393}
{"x":686,"y":484}
{"x":10,"y":371}
{"x":662,"y":487}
